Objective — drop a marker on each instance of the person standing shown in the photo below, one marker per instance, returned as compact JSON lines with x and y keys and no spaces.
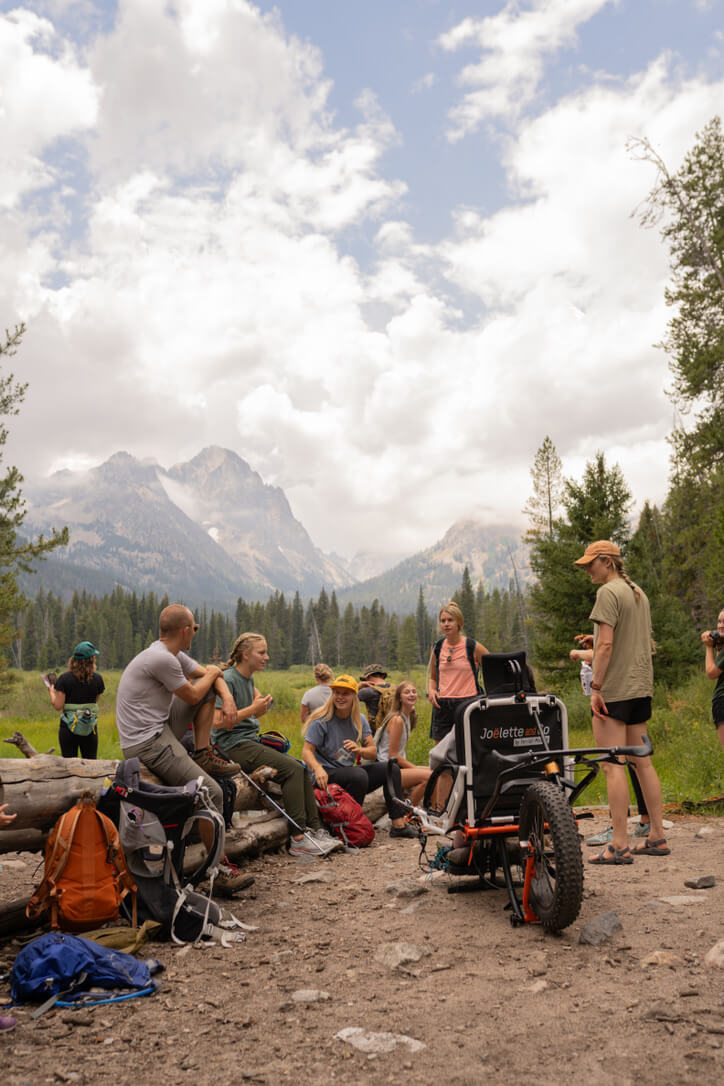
{"x":714,"y":663}
{"x":372,"y":684}
{"x":315,"y":697}
{"x":585,"y":654}
{"x":621,"y":693}
{"x":74,"y":694}
{"x":161,"y":693}
{"x":454,"y":664}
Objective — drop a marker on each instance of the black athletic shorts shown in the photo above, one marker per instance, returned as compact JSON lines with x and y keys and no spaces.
{"x":631,"y":711}
{"x":717,"y":711}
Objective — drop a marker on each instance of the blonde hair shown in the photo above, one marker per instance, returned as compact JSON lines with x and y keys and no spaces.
{"x":242,"y":644}
{"x":452,"y":609}
{"x":322,"y":673}
{"x":396,"y":709}
{"x":326,"y":712}
{"x":617,"y":564}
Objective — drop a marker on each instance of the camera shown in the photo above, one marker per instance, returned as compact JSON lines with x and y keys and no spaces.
{"x":716,"y":637}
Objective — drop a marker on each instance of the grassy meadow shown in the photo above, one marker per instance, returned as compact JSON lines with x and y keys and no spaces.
{"x":687,"y":755}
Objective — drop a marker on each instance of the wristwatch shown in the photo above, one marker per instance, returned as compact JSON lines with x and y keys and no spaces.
{"x":596,"y":686}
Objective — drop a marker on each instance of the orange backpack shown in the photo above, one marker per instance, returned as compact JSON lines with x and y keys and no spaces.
{"x":85,"y":877}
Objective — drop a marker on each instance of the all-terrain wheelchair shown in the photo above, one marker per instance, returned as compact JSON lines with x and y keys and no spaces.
{"x":507,"y":781}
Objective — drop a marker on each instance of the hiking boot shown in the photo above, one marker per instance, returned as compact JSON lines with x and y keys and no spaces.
{"x":603,"y":838}
{"x":328,"y":843}
{"x":404,"y":831}
{"x":642,"y":829}
{"x":230,"y":879}
{"x":7,"y":1023}
{"x":213,"y":764}
{"x":307,"y":847}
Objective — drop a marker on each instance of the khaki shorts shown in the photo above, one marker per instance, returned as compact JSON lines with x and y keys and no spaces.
{"x":165,"y":756}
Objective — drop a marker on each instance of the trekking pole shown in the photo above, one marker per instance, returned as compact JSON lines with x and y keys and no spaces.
{"x":281,"y":810}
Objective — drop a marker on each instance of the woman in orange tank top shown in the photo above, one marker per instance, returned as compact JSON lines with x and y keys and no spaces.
{"x":454,"y":680}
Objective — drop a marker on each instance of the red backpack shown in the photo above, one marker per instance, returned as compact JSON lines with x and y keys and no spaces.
{"x":85,"y":876}
{"x":344,"y":817}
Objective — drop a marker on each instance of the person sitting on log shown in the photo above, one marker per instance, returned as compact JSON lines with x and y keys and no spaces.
{"x":393,"y":734}
{"x":155,"y":704}
{"x":239,"y":741}
{"x":75,"y":695}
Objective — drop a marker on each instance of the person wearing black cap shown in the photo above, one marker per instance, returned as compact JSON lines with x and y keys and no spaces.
{"x":75,"y":695}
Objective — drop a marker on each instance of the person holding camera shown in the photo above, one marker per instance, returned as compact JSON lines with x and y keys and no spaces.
{"x":714,"y":664}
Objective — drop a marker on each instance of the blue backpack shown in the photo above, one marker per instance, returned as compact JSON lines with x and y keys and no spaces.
{"x":60,"y":968}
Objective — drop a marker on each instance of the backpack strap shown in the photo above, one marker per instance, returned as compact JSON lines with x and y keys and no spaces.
{"x":46,"y":894}
{"x":470,"y":643}
{"x":436,"y":650}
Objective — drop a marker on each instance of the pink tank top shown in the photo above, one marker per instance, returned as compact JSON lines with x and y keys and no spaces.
{"x":455,"y":677}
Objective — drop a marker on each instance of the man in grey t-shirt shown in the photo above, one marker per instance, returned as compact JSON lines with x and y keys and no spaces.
{"x":157,"y":703}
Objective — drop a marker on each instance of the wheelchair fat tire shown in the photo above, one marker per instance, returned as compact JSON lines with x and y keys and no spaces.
{"x":557,"y":885}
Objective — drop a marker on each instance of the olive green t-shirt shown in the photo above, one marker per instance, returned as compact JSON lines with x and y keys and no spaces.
{"x":242,"y":691}
{"x":630,"y":671}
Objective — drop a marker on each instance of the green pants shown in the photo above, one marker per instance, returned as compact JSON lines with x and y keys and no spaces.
{"x":296,"y":783}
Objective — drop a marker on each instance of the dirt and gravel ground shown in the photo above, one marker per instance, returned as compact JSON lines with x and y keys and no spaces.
{"x":490,"y":1003}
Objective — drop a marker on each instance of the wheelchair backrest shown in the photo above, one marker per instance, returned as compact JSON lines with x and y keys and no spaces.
{"x":506,"y":673}
{"x":507,"y":725}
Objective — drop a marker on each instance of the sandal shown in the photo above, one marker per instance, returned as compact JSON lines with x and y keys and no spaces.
{"x":611,"y":856}
{"x":652,"y":848}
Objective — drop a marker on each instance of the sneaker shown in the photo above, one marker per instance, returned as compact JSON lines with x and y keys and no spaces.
{"x":230,"y":879}
{"x":7,"y":1023}
{"x":642,"y":829}
{"x":326,"y":840}
{"x":213,"y":764}
{"x":602,"y":838}
{"x":404,"y":831}
{"x":307,"y":847}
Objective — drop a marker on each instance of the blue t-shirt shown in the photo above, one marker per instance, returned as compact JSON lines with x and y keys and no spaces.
{"x":328,"y":736}
{"x":242,"y":691}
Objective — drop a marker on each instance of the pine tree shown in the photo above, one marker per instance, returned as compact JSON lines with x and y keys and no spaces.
{"x":543,"y":506}
{"x":407,"y":647}
{"x":466,"y":600}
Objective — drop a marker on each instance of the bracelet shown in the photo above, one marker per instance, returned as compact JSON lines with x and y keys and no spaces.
{"x":595,"y":686}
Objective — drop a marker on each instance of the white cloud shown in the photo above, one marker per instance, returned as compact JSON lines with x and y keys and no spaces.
{"x":205,"y":294}
{"x":45,"y":95}
{"x":514,"y":44}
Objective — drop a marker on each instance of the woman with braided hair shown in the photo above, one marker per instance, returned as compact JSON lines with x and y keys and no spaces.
{"x":239,"y":741}
{"x":621,"y":693}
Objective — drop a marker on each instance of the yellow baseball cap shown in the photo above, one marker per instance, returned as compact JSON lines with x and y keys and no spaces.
{"x":344,"y":682}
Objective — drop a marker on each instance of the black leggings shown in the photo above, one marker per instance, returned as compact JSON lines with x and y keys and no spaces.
{"x":358,"y":780}
{"x":77,"y":746}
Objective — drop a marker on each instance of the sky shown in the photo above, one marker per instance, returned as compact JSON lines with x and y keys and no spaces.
{"x":379,"y":249}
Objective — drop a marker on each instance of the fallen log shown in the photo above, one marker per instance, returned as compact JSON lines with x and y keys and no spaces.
{"x":40,"y":789}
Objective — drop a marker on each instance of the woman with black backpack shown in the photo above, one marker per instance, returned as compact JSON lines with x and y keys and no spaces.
{"x":454,"y":665}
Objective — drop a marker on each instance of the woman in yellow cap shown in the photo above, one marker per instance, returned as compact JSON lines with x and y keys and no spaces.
{"x":335,"y":737}
{"x":621,"y":691}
